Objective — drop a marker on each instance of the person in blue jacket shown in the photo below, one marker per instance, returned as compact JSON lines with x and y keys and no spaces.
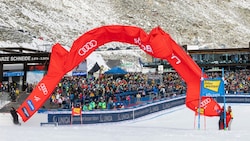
{"x":221,"y":120}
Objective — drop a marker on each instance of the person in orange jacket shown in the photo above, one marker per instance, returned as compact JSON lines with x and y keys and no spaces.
{"x":229,"y":117}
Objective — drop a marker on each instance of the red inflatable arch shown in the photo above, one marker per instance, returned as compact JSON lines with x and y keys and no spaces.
{"x":157,"y":43}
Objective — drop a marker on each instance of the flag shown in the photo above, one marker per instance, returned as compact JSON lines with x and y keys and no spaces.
{"x":140,"y":62}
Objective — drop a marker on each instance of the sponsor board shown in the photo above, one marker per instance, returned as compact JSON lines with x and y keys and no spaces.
{"x":114,"y":116}
{"x":93,"y":117}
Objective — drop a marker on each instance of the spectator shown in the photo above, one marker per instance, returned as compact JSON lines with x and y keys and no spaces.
{"x":92,"y":105}
{"x":85,"y":107}
{"x":138,"y":98}
{"x":102,"y":104}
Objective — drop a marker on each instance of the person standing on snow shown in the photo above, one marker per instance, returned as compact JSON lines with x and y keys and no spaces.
{"x":229,"y":117}
{"x":14,"y":115}
{"x":221,"y":120}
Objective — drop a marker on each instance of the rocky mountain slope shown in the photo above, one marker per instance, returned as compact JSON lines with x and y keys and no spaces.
{"x":206,"y":23}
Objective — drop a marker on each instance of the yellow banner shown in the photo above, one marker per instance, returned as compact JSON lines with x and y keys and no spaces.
{"x":212,"y":85}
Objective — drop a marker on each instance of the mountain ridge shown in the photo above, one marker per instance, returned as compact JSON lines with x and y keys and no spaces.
{"x":207,"y":24}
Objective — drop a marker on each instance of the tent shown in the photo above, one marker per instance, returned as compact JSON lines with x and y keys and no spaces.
{"x":116,"y":70}
{"x":93,"y":58}
{"x":95,"y":68}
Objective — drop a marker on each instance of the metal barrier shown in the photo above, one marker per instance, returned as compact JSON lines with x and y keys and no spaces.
{"x":4,"y":98}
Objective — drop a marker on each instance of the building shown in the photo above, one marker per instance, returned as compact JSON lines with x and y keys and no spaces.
{"x":229,"y":59}
{"x":15,"y":62}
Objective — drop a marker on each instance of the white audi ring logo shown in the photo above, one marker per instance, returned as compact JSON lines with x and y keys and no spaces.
{"x":205,"y":102}
{"x":89,"y":45}
{"x":42,"y":87}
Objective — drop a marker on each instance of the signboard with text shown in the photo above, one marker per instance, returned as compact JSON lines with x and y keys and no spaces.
{"x":18,"y":58}
{"x":212,"y":87}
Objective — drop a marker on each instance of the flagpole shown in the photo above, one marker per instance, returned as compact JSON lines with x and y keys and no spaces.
{"x":224,"y":99}
{"x":199,"y":107}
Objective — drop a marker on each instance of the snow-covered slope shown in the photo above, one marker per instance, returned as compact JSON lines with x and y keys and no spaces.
{"x":207,"y":23}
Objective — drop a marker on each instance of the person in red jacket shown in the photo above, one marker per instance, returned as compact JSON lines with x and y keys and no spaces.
{"x":229,"y":117}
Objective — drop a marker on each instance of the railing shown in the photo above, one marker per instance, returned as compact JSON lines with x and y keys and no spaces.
{"x":134,"y":100}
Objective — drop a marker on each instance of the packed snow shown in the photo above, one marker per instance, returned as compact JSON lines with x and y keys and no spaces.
{"x":175,"y":124}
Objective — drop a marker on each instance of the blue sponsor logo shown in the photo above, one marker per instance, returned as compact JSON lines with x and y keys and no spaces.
{"x":31,"y":105}
{"x":25,"y":112}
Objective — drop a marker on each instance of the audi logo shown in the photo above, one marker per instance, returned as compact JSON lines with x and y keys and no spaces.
{"x":89,"y":45}
{"x":205,"y":102}
{"x":42,"y":87}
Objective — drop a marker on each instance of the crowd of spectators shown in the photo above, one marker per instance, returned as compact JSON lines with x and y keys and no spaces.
{"x":12,"y":89}
{"x":115,"y":91}
{"x":112,"y":92}
{"x":236,"y":82}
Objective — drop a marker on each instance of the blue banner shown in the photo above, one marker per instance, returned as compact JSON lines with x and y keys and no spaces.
{"x":11,"y":74}
{"x":79,"y":73}
{"x":92,"y":117}
{"x":212,"y":87}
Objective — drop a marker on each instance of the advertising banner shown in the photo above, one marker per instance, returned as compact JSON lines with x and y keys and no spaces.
{"x":212,"y":87}
{"x":93,"y":117}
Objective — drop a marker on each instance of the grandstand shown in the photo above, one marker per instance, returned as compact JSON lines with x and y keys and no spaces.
{"x":211,"y":60}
